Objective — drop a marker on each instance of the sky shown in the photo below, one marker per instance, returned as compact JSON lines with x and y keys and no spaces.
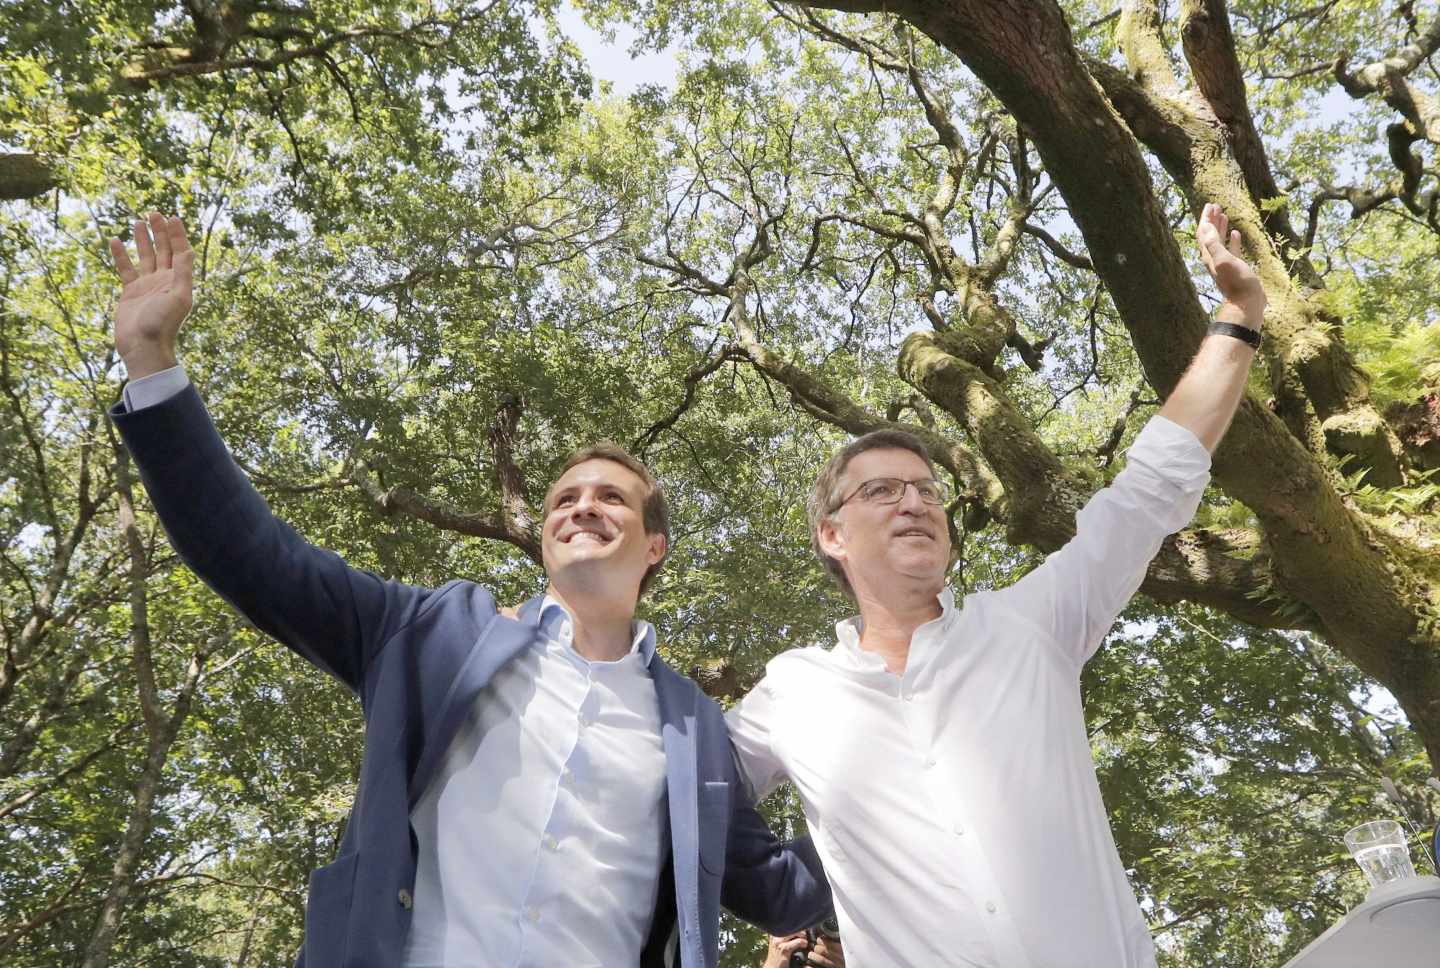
{"x":611,"y":60}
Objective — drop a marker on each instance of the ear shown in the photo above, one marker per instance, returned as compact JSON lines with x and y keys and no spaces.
{"x":657,"y":549}
{"x":832,"y":537}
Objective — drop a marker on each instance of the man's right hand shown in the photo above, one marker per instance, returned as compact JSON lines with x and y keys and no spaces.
{"x":826,"y":953}
{"x":156,"y":297}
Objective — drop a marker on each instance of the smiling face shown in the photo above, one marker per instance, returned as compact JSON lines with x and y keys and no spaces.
{"x":594,"y":530}
{"x":880,"y":545}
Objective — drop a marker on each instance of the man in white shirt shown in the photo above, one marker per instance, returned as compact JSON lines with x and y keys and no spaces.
{"x":536,"y":790}
{"x":941,"y":753}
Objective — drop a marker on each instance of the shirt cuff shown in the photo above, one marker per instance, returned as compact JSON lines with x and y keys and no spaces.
{"x":1173,"y":451}
{"x":155,"y":388}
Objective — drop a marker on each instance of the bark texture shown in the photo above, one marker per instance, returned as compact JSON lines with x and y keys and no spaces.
{"x":1370,"y":587}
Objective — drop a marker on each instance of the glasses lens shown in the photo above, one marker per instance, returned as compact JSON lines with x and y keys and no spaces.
{"x":931,"y":492}
{"x":882,"y":490}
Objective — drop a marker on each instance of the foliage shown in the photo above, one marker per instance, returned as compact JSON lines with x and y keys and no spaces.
{"x":438,"y":221}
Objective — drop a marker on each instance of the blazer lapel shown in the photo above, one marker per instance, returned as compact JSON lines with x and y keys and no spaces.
{"x":677,"y":734}
{"x":499,"y":641}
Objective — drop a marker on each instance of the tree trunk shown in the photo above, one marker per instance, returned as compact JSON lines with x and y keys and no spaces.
{"x":1376,"y":596}
{"x":161,"y":730}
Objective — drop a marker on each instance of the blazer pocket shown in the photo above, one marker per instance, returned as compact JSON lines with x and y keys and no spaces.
{"x":714,"y":825}
{"x":327,"y":912}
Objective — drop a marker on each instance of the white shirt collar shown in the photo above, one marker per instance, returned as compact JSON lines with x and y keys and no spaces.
{"x":847,"y":635}
{"x":557,"y":624}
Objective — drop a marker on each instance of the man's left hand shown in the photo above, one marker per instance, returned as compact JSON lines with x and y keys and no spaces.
{"x":1237,"y":280}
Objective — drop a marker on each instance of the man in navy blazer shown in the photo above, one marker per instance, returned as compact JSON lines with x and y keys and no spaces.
{"x":534,"y":791}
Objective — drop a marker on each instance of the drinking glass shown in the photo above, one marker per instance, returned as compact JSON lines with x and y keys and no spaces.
{"x":1379,"y":848}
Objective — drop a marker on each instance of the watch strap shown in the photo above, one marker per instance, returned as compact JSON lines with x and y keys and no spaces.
{"x":1243,"y":333}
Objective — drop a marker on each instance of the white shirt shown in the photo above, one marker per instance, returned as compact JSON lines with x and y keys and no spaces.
{"x":542,"y":836}
{"x":155,"y":388}
{"x":956,"y":807}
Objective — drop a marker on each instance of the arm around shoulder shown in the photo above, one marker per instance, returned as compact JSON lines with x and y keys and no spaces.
{"x":778,"y":885}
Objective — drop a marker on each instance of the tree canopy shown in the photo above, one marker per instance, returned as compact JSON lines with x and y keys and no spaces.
{"x":435,"y":256}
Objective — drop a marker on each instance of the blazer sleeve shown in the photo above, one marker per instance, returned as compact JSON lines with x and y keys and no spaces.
{"x":778,"y":885}
{"x":335,"y":616}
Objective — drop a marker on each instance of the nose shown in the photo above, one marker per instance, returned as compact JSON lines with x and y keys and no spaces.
{"x":584,"y":506}
{"x":910,"y":502}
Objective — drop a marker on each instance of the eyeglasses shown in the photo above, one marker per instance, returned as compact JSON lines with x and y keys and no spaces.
{"x":890,"y":490}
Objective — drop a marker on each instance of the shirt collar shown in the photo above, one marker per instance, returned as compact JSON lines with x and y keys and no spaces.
{"x":555,"y":625}
{"x":847,"y":633}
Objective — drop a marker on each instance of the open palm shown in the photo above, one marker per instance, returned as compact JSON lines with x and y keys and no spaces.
{"x":158,"y":288}
{"x":1236,"y":279}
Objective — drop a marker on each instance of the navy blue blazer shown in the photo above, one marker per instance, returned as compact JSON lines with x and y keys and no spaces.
{"x":417,"y":658}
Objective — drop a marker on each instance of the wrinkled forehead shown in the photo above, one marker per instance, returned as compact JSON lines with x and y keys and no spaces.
{"x":599,"y":472}
{"x":883,"y":462}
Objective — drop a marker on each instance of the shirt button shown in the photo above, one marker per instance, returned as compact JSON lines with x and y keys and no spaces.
{"x":551,"y":843}
{"x":990,"y":906}
{"x":406,"y":901}
{"x":532,"y":914}
{"x":929,"y":762}
{"x":959,"y":830}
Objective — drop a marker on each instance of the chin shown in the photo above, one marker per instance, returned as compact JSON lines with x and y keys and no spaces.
{"x":920,"y":565}
{"x":585,"y":560}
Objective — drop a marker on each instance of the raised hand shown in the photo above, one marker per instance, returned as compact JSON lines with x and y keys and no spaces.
{"x":156,"y":297}
{"x":1237,"y":280}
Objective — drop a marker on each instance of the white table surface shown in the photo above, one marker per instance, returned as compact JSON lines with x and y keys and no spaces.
{"x":1396,"y":926}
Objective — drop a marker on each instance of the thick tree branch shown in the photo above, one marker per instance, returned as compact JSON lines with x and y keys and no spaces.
{"x":1390,"y":78}
{"x":1310,"y":368}
{"x":494,"y":526}
{"x":1210,"y":51}
{"x":161,"y":726}
{"x":1324,"y":553}
{"x":1226,"y":570}
{"x":514,"y":495}
{"x":22,"y":175}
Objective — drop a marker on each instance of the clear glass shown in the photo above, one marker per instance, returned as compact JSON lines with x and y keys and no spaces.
{"x":1379,"y":848}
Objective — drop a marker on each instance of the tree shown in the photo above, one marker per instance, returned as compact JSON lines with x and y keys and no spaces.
{"x":79,"y":72}
{"x":410,"y":312}
{"x":1323,"y":555}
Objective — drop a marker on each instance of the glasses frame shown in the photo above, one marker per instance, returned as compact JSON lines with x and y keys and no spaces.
{"x":941,"y":486}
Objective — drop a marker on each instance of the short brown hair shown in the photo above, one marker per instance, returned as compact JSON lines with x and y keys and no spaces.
{"x":825,"y":496}
{"x":654,"y":511}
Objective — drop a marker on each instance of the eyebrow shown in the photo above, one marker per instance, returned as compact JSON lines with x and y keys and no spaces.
{"x":558,"y":492}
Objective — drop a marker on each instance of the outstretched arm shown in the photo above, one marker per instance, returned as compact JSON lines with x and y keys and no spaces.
{"x":335,"y":616}
{"x":1205,"y":399}
{"x":1075,"y":595}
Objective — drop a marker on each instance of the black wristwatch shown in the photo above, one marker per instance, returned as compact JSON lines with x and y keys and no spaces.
{"x":1243,"y":333}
